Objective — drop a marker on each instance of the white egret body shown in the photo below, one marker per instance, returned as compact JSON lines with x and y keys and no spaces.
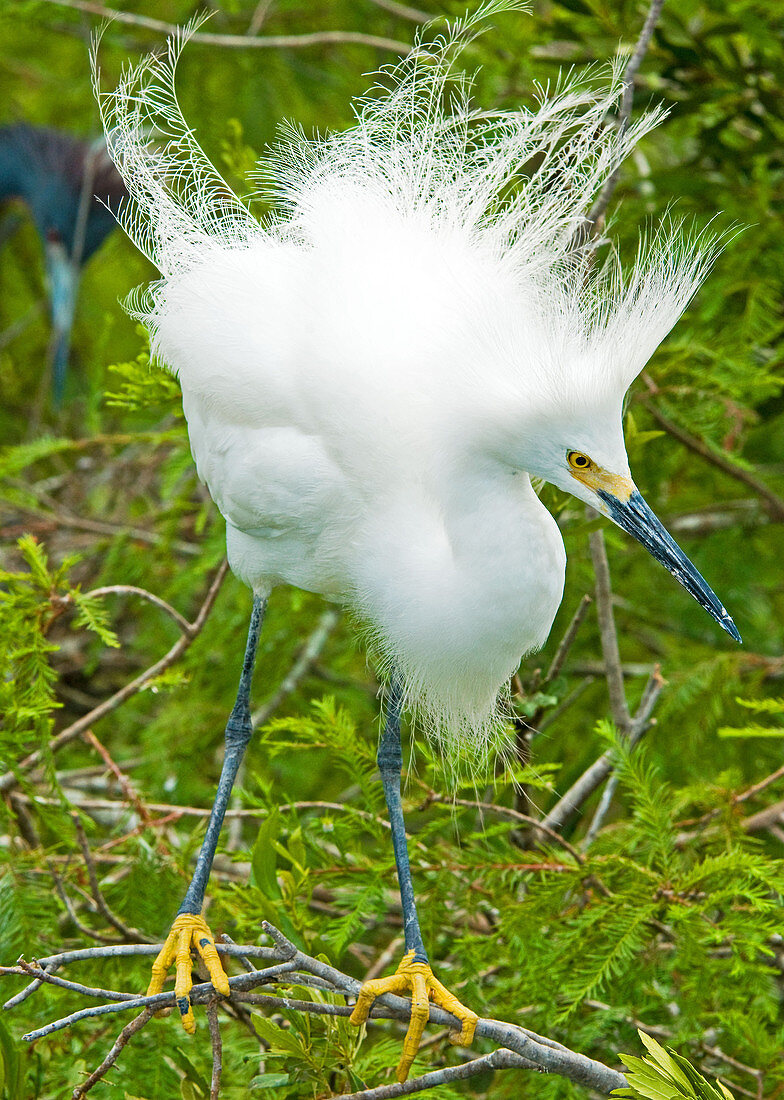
{"x":372,"y":376}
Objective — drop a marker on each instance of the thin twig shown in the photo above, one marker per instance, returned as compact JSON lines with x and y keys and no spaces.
{"x":70,"y":733}
{"x":595,"y":216}
{"x":609,"y":637}
{"x":587,"y":783}
{"x":126,"y":786}
{"x":240,"y":41}
{"x":95,"y":890}
{"x":405,"y":11}
{"x":83,"y":928}
{"x":773,"y":503}
{"x":260,"y":13}
{"x":499,"y":1059}
{"x":568,"y":701}
{"x":567,"y":641}
{"x":512,"y":815}
{"x":217,"y":1048}
{"x":142,"y":593}
{"x":108,"y":805}
{"x":243,"y":959}
{"x":122,"y":1041}
{"x":58,"y":518}
{"x":310,"y":652}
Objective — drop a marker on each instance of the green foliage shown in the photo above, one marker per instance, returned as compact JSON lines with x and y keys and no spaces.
{"x":773,"y":707}
{"x":672,"y":915}
{"x":665,"y":1075}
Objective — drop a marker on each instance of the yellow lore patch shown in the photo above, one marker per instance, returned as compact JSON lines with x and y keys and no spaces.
{"x":597,"y":478}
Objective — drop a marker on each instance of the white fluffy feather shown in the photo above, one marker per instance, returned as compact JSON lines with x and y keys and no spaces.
{"x":370,"y":376}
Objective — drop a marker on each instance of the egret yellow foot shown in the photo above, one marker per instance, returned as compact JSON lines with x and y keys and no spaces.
{"x":425,"y":987}
{"x":188,"y":931}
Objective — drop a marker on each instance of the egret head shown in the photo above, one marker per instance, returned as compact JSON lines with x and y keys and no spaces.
{"x":584,"y":454}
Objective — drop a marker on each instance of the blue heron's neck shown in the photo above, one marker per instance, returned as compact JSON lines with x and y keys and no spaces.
{"x":12,"y":170}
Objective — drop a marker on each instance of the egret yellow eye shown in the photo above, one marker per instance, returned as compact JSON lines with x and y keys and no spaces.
{"x":578,"y":461}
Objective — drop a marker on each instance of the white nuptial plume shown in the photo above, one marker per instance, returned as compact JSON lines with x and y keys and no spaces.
{"x":416,"y":291}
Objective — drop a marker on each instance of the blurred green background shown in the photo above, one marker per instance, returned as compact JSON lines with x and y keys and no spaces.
{"x":685,"y":936}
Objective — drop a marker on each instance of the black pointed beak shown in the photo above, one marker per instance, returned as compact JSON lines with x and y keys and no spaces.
{"x":635,"y":517}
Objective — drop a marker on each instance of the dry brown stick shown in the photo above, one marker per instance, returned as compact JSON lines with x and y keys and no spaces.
{"x":95,"y":890}
{"x":10,"y":779}
{"x":613,"y":670}
{"x":126,"y":786}
{"x":60,"y":888}
{"x":405,"y":11}
{"x":142,"y":593}
{"x":755,"y":788}
{"x":217,"y":1048}
{"x":513,"y":815}
{"x":567,"y":641}
{"x":774,"y":504}
{"x":239,"y":41}
{"x":122,"y":1041}
{"x":765,"y":819}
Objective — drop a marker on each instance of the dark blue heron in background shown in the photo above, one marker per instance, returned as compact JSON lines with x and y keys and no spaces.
{"x":65,"y":183}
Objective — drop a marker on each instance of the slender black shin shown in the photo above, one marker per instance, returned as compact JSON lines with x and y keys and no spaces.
{"x":390,"y":764}
{"x":238,"y":733}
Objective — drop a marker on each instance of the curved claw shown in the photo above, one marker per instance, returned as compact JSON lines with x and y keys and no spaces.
{"x":189,"y":931}
{"x":424,"y":986}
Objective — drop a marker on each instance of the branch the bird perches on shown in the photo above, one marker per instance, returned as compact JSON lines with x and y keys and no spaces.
{"x":517,"y":1047}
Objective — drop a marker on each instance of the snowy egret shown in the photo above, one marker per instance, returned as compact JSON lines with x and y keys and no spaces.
{"x":373,"y":375}
{"x":66,"y":183}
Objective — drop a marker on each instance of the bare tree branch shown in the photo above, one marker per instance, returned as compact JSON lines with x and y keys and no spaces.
{"x":613,"y":672}
{"x":122,"y":1041}
{"x":405,"y":11}
{"x":587,"y":783}
{"x":567,"y":641}
{"x":499,"y":1059}
{"x":142,"y":593}
{"x":535,"y":1051}
{"x":98,"y":898}
{"x":240,"y":41}
{"x":217,"y":1048}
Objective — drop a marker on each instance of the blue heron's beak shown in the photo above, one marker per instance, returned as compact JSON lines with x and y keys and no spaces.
{"x":635,"y":517}
{"x":63,"y":285}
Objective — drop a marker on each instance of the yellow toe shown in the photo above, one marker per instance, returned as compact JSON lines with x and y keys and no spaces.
{"x":189,"y":932}
{"x":424,"y":987}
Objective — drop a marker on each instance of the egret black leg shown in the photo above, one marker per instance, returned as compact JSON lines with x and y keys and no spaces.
{"x":238,"y":734}
{"x":190,"y":930}
{"x":414,"y":973}
{"x":390,"y":765}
